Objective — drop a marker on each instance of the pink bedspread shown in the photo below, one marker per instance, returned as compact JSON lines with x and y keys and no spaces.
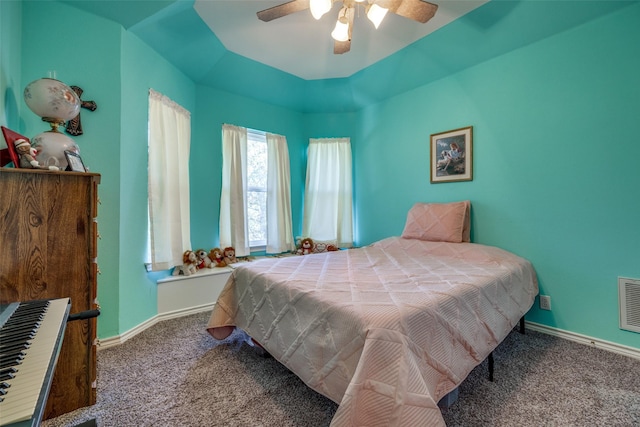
{"x":387,"y":330}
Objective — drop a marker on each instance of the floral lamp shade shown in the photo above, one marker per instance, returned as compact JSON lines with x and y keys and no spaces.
{"x":56,"y":103}
{"x":52,"y":100}
{"x":50,"y":147}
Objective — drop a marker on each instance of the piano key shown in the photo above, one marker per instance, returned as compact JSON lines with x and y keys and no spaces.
{"x":10,"y":355}
{"x":13,"y":362}
{"x":28,"y":389}
{"x":24,"y":335}
{"x":22,"y":317}
{"x":14,"y":346}
{"x":18,"y":340}
{"x":7,"y":376}
{"x":14,"y":332}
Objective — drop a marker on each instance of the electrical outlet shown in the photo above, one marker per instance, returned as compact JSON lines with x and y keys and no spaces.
{"x":545,"y":302}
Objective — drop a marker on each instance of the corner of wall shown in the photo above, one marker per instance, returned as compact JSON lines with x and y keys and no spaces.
{"x":10,"y":65}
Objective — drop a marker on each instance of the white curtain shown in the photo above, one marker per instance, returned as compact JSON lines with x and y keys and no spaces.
{"x":279,"y":225}
{"x":328,"y":192}
{"x":234,"y":226}
{"x":168,"y":180}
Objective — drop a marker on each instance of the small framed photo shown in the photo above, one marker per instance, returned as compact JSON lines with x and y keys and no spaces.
{"x":75,"y":162}
{"x":452,"y":155}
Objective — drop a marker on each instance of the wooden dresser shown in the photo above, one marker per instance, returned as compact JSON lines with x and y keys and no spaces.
{"x":48,"y":244}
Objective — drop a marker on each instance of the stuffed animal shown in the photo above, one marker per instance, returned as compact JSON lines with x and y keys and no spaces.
{"x":229,"y":255}
{"x":306,"y":246}
{"x":27,"y":156}
{"x":189,"y":263}
{"x":320,"y":247}
{"x":217,"y":257}
{"x":203,"y":259}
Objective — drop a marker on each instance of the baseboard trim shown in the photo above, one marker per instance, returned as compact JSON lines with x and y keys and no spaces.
{"x":560,"y":333}
{"x":587,"y":340}
{"x":119,"y":339}
{"x":185,"y":311}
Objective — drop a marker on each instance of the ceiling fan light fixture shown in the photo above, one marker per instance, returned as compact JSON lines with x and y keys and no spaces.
{"x":319,"y":8}
{"x":341,"y":31}
{"x":376,"y":14}
{"x":416,"y":10}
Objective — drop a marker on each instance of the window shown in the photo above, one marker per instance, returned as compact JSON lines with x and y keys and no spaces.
{"x":168,"y":175}
{"x":255,"y":199}
{"x":257,"y":188}
{"x":328,"y":192}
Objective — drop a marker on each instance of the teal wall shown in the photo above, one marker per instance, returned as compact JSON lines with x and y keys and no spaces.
{"x":556,"y":172}
{"x":116,"y":70}
{"x":545,"y":118}
{"x":141,"y":69}
{"x":93,"y":63}
{"x":10,"y":48}
{"x":213,"y":109}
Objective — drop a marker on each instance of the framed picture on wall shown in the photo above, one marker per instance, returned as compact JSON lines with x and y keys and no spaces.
{"x":452,"y":155}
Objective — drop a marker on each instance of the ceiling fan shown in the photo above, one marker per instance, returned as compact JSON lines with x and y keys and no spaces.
{"x":418,"y":10}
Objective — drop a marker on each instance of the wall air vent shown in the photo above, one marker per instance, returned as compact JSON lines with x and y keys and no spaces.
{"x":629,"y":293}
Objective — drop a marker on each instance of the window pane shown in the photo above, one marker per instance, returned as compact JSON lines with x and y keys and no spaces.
{"x":257,"y":187}
{"x":257,"y":203}
{"x":257,"y":163}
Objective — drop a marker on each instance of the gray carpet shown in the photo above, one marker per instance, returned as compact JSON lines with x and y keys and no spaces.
{"x":174,"y":374}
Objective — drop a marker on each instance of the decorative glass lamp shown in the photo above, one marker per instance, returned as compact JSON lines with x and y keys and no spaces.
{"x":56,"y":103}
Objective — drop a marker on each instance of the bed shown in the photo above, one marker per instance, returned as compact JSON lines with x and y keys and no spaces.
{"x":385,"y":330}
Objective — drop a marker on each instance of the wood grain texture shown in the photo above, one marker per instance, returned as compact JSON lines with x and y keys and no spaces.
{"x":47,"y":236}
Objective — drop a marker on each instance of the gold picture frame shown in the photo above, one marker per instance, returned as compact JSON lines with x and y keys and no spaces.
{"x":452,"y":155}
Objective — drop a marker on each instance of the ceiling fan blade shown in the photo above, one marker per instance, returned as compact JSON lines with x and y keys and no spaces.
{"x":345,"y":46}
{"x":283,"y":10}
{"x":418,"y":10}
{"x":341,"y":47}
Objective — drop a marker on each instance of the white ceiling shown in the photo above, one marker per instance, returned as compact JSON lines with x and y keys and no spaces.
{"x":302,"y":46}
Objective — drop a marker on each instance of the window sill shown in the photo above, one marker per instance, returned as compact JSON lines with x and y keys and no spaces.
{"x":199,"y":273}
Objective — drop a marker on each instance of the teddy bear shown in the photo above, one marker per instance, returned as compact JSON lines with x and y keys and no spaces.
{"x":229,"y":255}
{"x":306,"y":246}
{"x":203,"y":259}
{"x":217,"y":257}
{"x":27,"y":156}
{"x":189,"y":263}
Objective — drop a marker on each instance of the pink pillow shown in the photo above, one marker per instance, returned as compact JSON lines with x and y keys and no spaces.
{"x":438,"y":222}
